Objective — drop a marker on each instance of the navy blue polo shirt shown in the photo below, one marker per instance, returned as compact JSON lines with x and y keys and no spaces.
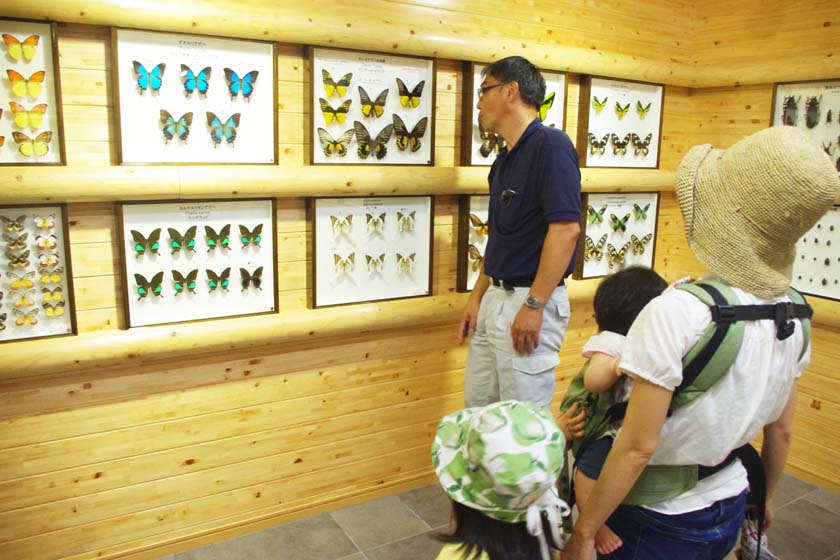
{"x":536,"y":184}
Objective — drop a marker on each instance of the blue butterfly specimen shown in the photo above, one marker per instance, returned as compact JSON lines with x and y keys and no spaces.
{"x":219,"y":131}
{"x":245,"y":84}
{"x":172,"y":128}
{"x":193,"y":82}
{"x":149,"y":80}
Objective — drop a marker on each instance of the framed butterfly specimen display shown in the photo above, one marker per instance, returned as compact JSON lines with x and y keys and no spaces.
{"x":194,"y":98}
{"x":815,"y":108}
{"x":371,"y":108}
{"x":194,"y":260}
{"x":816,"y":270}
{"x":370,"y":249}
{"x":36,"y":291}
{"x":620,"y":123}
{"x":484,"y":145}
{"x":473,"y":230}
{"x":31,"y":128}
{"x":617,"y":230}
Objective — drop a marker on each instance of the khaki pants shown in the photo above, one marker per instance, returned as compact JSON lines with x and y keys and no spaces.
{"x":494,"y":370}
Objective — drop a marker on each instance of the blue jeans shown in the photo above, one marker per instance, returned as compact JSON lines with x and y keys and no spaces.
{"x":706,"y":534}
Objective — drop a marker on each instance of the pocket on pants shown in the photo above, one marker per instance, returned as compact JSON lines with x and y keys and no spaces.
{"x":535,"y":363}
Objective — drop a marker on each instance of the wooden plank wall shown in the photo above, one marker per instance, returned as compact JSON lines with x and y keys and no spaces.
{"x":138,"y":462}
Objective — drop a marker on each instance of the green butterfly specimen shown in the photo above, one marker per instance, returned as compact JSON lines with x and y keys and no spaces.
{"x":621,"y":111}
{"x":639,"y":212}
{"x":596,"y":216}
{"x":187,"y":282}
{"x":178,"y":241}
{"x":251,"y":279}
{"x":252,"y":237}
{"x":143,"y":244}
{"x":218,"y":280}
{"x":599,"y":105}
{"x":642,"y":110}
{"x":546,"y":105}
{"x":216,"y":239}
{"x":146,"y":287}
{"x":619,"y":224}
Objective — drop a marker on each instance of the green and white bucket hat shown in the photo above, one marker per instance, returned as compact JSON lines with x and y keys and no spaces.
{"x":503,"y":460}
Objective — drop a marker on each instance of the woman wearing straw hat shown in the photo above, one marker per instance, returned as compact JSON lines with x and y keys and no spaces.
{"x":500,"y":464}
{"x":744,"y":209}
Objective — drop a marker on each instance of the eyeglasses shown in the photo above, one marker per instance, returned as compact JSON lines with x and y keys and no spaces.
{"x":507,"y":197}
{"x":480,"y":91}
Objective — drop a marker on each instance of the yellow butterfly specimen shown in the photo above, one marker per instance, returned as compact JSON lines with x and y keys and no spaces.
{"x":15,"y":225}
{"x":642,"y":110}
{"x":373,"y":108}
{"x":343,"y":265}
{"x":53,"y":277}
{"x":617,"y":257}
{"x":54,"y":310}
{"x":332,"y":146}
{"x":24,"y":299}
{"x":405,"y":264}
{"x":18,"y":261}
{"x":15,"y":243}
{"x":639,"y":245}
{"x":18,"y":49}
{"x":375,"y":264}
{"x":44,"y":222}
{"x":38,"y":146}
{"x":375,"y":224}
{"x":21,"y":281}
{"x":410,"y":99}
{"x":341,"y":225}
{"x":405,"y":221}
{"x":2,"y":321}
{"x":32,"y":118}
{"x":599,"y":105}
{"x":337,"y":114}
{"x":45,"y":243}
{"x":22,"y":87}
{"x":476,"y":258}
{"x":593,"y":250}
{"x":56,"y":294}
{"x":621,"y":111}
{"x":28,"y":318}
{"x":332,"y":87}
{"x":480,"y":227}
{"x":411,"y":139}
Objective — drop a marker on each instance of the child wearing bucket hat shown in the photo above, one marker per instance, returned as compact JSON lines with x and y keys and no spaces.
{"x":500,"y":464}
{"x":744,"y":209}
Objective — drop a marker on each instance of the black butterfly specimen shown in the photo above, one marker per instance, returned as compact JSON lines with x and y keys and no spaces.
{"x":812,"y":111}
{"x":221,"y":239}
{"x":620,"y":145}
{"x":251,"y":279}
{"x":143,"y":244}
{"x":790,"y":108}
{"x":332,"y":146}
{"x":641,"y":146}
{"x":146,"y":287}
{"x":410,"y":99}
{"x":15,"y":242}
{"x":639,"y":245}
{"x":594,"y":250}
{"x":250,"y":237}
{"x":178,"y":241}
{"x":598,"y":146}
{"x":490,"y":142}
{"x":331,"y":87}
{"x":215,"y":281}
{"x":411,"y":139}
{"x":370,"y":108}
{"x":336,"y":114}
{"x":15,"y":225}
{"x":182,"y":282}
{"x":366,"y":146}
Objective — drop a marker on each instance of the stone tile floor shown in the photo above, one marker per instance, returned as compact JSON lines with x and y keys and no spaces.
{"x":402,"y":527}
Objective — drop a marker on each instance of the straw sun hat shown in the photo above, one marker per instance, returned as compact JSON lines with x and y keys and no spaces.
{"x":745,"y":207}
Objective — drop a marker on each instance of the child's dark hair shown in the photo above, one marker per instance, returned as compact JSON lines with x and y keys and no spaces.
{"x":498,"y":539}
{"x":520,"y":70}
{"x":621,"y":296}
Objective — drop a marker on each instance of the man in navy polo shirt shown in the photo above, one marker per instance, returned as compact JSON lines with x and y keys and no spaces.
{"x":519,"y":309}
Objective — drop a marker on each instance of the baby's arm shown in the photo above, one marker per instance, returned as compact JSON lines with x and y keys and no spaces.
{"x":604,"y":353}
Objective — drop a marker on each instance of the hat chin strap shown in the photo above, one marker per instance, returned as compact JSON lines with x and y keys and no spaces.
{"x":555,"y":509}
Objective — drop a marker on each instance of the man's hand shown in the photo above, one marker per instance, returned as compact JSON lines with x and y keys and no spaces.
{"x":571,"y":422}
{"x":525,"y":330}
{"x":468,"y":320}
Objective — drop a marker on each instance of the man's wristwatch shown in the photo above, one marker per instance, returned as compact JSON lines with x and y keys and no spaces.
{"x":533,"y":302}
